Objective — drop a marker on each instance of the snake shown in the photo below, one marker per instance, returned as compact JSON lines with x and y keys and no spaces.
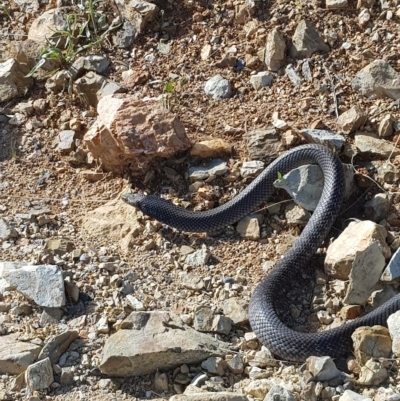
{"x":280,"y":340}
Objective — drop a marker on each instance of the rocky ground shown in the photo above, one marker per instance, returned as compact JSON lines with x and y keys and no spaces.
{"x":190,"y":100}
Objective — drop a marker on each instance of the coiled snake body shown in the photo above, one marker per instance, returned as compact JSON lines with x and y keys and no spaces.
{"x":271,"y":331}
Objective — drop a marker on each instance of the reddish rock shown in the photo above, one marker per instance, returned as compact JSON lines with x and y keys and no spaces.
{"x":131,"y":132}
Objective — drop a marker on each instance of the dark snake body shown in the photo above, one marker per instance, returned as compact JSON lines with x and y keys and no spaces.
{"x":271,"y":331}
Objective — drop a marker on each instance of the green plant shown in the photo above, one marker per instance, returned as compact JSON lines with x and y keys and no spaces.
{"x":81,"y":33}
{"x":5,"y":10}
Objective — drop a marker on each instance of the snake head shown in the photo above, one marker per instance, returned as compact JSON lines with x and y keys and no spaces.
{"x":135,"y":200}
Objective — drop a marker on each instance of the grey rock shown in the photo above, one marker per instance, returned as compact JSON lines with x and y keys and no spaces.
{"x":237,"y":310}
{"x":157,"y":340}
{"x":66,"y":142}
{"x":39,"y":375}
{"x":125,"y":36}
{"x":251,"y":168}
{"x":378,"y":78}
{"x":367,"y":142}
{"x":385,"y":128}
{"x":43,"y":284}
{"x":306,"y":41}
{"x":377,"y":208}
{"x":323,"y":369}
{"x":263,"y":144}
{"x":275,"y":50}
{"x":336,"y":4}
{"x":305,"y":184}
{"x":352,"y":119}
{"x":7,"y":231}
{"x":215,"y":167}
{"x":5,"y":268}
{"x":392,"y":270}
{"x":67,"y":376}
{"x":365,"y":273}
{"x":91,"y":62}
{"x":13,"y":80}
{"x":279,"y":393}
{"x":249,"y":226}
{"x":236,"y":364}
{"x":206,"y":396}
{"x":138,"y":13}
{"x":206,"y":321}
{"x":192,"y":281}
{"x":50,"y":316}
{"x":350,"y":395}
{"x":15,"y":355}
{"x":57,"y":345}
{"x":296,"y":215}
{"x":330,"y":139}
{"x":214,"y":365}
{"x":394,"y":330}
{"x":198,"y":258}
{"x":292,"y":75}
{"x":379,"y":297}
{"x":94,"y":86}
{"x":388,"y":172}
{"x":218,"y":88}
{"x":161,"y":382}
{"x":261,"y":80}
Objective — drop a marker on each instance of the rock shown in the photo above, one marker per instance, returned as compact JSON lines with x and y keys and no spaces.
{"x":214,"y":365}
{"x":392,"y":270}
{"x":43,"y":284}
{"x":292,"y":75}
{"x":59,"y":246}
{"x":39,"y":375}
{"x":211,"y":148}
{"x":324,"y":137}
{"x":16,"y":356}
{"x":56,"y":345}
{"x":366,"y":270}
{"x":249,"y":227}
{"x":138,"y":13}
{"x":385,"y":128}
{"x":92,"y":62}
{"x":236,"y":365}
{"x":50,"y":316}
{"x":356,"y":237}
{"x":67,"y":376}
{"x":125,"y":36}
{"x":215,"y":167}
{"x":349,"y":312}
{"x":218,"y":88}
{"x":306,"y":41}
{"x":350,"y":395}
{"x":258,"y":388}
{"x":369,"y":143}
{"x":379,"y":297}
{"x":205,"y":321}
{"x":237,"y":310}
{"x":261,"y":80}
{"x":296,"y":215}
{"x":198,"y":258}
{"x":394,"y":330}
{"x":192,"y":281}
{"x":377,"y":208}
{"x":161,"y":382}
{"x":5,"y":268}
{"x":336,"y":4}
{"x":275,"y":50}
{"x":352,"y":119}
{"x":13,"y":80}
{"x":131,"y":132}
{"x":279,"y":393}
{"x":378,"y":78}
{"x":372,"y":374}
{"x":324,"y":317}
{"x":94,"y":87}
{"x":388,"y":172}
{"x":157,"y":340}
{"x":7,"y":231}
{"x":263,"y":144}
{"x":135,"y":303}
{"x":305,"y":185}
{"x":44,"y":28}
{"x":251,"y":168}
{"x":114,"y":221}
{"x":371,"y":342}
{"x":205,"y":396}
{"x":66,"y":141}
{"x":322,"y":369}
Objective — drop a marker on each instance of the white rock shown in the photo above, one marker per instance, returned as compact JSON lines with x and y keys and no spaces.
{"x":350,"y":395}
{"x":218,"y":88}
{"x":392,"y":270}
{"x":373,"y":374}
{"x":39,"y":375}
{"x":249,"y":227}
{"x":394,"y":330}
{"x":135,"y":303}
{"x":261,"y":79}
{"x":43,"y":284}
{"x":323,"y":368}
